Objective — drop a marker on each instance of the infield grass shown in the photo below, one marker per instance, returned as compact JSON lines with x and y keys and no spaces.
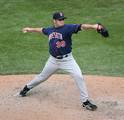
{"x":27,"y":53}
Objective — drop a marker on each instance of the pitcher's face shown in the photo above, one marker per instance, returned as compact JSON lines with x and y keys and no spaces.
{"x":58,"y":23}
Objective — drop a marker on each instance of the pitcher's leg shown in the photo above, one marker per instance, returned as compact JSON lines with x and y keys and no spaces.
{"x":79,"y":78}
{"x":48,"y":70}
{"x":72,"y":67}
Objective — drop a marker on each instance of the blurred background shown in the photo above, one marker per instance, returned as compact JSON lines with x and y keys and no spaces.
{"x":27,"y":53}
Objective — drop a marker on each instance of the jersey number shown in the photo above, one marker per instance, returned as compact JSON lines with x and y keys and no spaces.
{"x":60,"y":44}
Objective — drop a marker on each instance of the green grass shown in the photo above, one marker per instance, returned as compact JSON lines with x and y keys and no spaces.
{"x":27,"y":53}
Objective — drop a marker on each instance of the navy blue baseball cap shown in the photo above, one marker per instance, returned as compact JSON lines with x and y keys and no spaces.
{"x":59,"y":16}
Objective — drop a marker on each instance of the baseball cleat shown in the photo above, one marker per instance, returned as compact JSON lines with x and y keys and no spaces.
{"x":89,"y":106}
{"x":24,"y":91}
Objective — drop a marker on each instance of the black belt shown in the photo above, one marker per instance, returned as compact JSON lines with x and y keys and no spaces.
{"x":61,"y":56}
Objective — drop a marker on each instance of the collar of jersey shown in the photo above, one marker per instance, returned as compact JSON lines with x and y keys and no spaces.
{"x":58,"y":27}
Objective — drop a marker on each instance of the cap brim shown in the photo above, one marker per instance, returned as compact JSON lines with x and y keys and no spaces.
{"x":62,"y":18}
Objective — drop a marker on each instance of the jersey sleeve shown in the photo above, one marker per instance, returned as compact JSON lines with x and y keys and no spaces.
{"x":45,"y":31}
{"x":75,"y":28}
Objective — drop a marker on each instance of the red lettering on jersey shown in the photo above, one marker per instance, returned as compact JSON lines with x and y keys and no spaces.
{"x":55,"y":35}
{"x":60,"y":44}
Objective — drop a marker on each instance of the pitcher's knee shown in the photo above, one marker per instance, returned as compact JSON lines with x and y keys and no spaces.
{"x":41,"y":77}
{"x":36,"y":81}
{"x":78,"y":76}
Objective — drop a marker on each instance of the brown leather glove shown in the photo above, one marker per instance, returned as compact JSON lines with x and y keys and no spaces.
{"x":103,"y":31}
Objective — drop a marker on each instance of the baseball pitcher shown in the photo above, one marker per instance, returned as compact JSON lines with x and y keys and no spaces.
{"x":60,"y":49}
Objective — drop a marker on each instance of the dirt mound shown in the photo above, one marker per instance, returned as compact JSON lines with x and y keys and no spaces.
{"x":58,"y":99}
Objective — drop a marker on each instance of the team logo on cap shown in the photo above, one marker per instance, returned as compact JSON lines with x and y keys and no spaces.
{"x":61,"y":14}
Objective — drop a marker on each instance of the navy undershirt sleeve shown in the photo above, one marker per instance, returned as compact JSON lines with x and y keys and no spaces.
{"x":75,"y":28}
{"x":45,"y":31}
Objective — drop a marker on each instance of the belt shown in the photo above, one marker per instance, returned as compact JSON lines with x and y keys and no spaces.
{"x":61,"y":56}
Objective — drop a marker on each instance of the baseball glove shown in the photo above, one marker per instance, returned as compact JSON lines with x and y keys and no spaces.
{"x":103,"y":31}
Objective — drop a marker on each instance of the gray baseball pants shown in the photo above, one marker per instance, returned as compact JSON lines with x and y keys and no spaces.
{"x":67,"y":64}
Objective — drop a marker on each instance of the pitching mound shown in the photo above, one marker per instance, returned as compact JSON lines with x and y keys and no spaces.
{"x":58,"y":99}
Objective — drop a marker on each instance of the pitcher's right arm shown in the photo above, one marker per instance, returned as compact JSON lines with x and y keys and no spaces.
{"x":29,"y":29}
